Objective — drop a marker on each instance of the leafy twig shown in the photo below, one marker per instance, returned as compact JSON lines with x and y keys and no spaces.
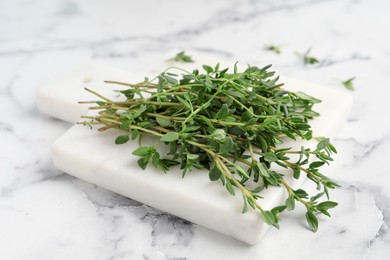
{"x":182,"y":57}
{"x":273,"y":48}
{"x":307,"y":59}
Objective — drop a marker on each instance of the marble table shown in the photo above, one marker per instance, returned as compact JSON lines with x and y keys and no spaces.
{"x":46,"y":214}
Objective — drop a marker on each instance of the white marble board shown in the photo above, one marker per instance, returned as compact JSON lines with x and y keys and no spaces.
{"x":93,"y":157}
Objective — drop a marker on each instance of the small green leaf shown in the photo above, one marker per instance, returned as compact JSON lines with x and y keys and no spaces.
{"x":257,"y":189}
{"x":268,"y":217}
{"x":327,"y":205}
{"x":301,"y":193}
{"x":122,"y":139}
{"x":214,"y":173}
{"x":170,"y":79}
{"x":223,"y":112}
{"x":142,"y":163}
{"x":216,"y":68}
{"x":184,"y":102}
{"x":317,"y":196}
{"x":134,"y":134}
{"x":305,"y":96}
{"x":273,"y":48}
{"x":163,"y":121}
{"x":316,"y":164}
{"x":241,"y":171}
{"x":182,"y":57}
{"x":312,"y":220}
{"x":348,"y":84}
{"x":142,"y":151}
{"x":230,"y":188}
{"x":219,"y":134}
{"x":245,"y":208}
{"x":156,"y":159}
{"x":263,"y":169}
{"x":235,"y":68}
{"x":278,"y":209}
{"x":322,"y":144}
{"x":170,"y":137}
{"x":191,"y":156}
{"x":296,"y":172}
{"x":227,"y":146}
{"x":290,"y":202}
{"x":208,"y":69}
{"x":270,"y":157}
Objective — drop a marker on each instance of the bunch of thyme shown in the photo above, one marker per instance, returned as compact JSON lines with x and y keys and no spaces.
{"x":231,"y":124}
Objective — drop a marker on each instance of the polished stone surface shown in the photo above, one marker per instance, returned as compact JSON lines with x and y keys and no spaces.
{"x":46,"y":214}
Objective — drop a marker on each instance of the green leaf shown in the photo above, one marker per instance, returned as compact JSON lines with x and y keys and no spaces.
{"x":310,"y":60}
{"x":246,"y":116}
{"x":182,"y":57}
{"x":208,"y":69}
{"x":252,"y":121}
{"x":192,"y":128}
{"x":327,"y":205}
{"x":305,"y":96}
{"x":268,"y":217}
{"x":290,"y":202}
{"x":301,"y":193}
{"x":312,"y":220}
{"x":278,"y":209}
{"x":348,"y":84}
{"x":142,"y":151}
{"x":227,"y":146}
{"x":170,"y":137}
{"x":191,"y":156}
{"x":257,"y":189}
{"x":263,"y":169}
{"x":170,"y":80}
{"x":142,"y":163}
{"x":241,"y":171}
{"x":134,"y":134}
{"x":156,"y":159}
{"x":270,"y":157}
{"x":223,"y":112}
{"x":317,"y":196}
{"x":184,"y":102}
{"x":214,"y":173}
{"x":122,"y":139}
{"x":296,"y":172}
{"x":322,"y":144}
{"x":316,"y":164}
{"x":323,"y":207}
{"x":163,"y":121}
{"x":230,"y":188}
{"x":245,"y":208}
{"x":273,"y":48}
{"x":219,"y":134}
{"x":216,"y":68}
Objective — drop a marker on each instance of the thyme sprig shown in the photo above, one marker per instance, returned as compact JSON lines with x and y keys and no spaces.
{"x":307,"y":58}
{"x":182,"y":57}
{"x":232,"y":124}
{"x":273,"y":48}
{"x":348,"y":84}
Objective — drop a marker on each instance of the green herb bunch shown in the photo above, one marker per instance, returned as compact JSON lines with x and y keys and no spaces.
{"x":230,"y":124}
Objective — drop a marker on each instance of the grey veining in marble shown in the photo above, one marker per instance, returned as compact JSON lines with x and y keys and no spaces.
{"x":45,"y":214}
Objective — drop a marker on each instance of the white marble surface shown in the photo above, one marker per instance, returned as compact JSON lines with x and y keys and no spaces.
{"x":45,"y":214}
